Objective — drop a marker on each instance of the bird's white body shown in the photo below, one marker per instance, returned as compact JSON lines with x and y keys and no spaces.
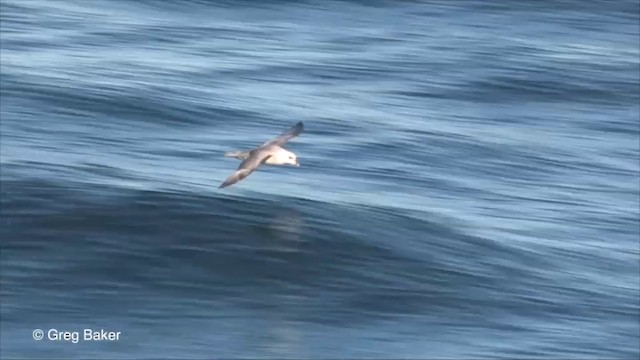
{"x":281,"y":156}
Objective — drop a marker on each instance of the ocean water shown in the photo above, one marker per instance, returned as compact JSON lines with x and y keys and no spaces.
{"x":469,"y":181}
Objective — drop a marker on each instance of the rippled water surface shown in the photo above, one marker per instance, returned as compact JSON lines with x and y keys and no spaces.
{"x":469,"y":184}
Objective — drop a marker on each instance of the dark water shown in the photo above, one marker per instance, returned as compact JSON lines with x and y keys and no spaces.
{"x":469,"y":184}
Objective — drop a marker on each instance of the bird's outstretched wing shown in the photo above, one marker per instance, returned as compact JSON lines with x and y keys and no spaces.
{"x":282,"y":139}
{"x":255,"y":159}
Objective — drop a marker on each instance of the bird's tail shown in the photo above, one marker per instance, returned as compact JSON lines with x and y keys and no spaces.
{"x":237,"y":154}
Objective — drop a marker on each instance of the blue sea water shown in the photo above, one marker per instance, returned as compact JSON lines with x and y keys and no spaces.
{"x":469,"y":188}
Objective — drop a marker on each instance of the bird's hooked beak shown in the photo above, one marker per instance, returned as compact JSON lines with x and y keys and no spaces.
{"x":297,"y":163}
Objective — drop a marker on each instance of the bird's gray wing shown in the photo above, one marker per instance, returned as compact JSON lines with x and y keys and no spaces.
{"x":282,"y":139}
{"x":255,"y":159}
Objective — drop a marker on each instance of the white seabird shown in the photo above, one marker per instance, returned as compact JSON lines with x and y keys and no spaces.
{"x":270,"y":153}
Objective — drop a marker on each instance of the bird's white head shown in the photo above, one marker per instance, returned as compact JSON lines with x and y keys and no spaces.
{"x":283,"y":157}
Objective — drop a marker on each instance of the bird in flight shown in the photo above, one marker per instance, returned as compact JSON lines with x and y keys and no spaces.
{"x":270,"y":153}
